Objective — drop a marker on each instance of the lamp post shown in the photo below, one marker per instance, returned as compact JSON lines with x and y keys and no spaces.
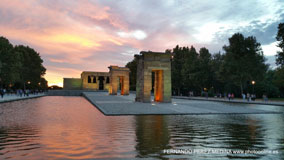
{"x":28,"y":86}
{"x":253,"y":83}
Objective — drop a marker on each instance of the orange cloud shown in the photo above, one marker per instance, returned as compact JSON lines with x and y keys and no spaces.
{"x":71,"y":39}
{"x":82,"y":33}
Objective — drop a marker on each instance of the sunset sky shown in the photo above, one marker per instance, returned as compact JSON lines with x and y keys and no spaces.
{"x":89,"y":35}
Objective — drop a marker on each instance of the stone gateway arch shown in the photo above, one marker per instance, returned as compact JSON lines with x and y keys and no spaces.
{"x":159,"y":64}
{"x":119,"y":78}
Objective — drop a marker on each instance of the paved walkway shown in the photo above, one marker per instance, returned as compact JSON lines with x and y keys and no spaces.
{"x":125,"y":105}
{"x":13,"y":97}
{"x":231,"y":101}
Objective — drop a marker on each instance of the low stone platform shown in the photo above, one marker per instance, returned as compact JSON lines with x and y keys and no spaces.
{"x":125,"y":105}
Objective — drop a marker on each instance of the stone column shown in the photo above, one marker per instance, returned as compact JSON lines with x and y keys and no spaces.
{"x":113,"y":84}
{"x":126,"y":84}
{"x":167,"y":85}
{"x":139,"y":79}
{"x":147,"y":85}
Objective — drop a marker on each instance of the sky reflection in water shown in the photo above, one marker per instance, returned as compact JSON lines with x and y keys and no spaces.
{"x":71,"y":128}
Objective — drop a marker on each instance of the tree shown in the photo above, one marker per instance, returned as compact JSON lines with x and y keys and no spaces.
{"x":9,"y":62}
{"x":279,"y":79}
{"x":243,"y":62}
{"x":216,"y":63}
{"x":177,"y":65}
{"x":279,"y":73}
{"x":31,"y":70}
{"x":204,"y":70}
{"x":280,"y":38}
{"x":190,"y":69}
{"x":267,"y":85}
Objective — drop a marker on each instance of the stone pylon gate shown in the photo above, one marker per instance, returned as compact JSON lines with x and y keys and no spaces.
{"x":119,"y":76}
{"x":160,"y":64}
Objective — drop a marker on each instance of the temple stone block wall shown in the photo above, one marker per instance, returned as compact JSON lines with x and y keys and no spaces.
{"x":95,"y":80}
{"x":119,"y":79}
{"x":160,"y":64}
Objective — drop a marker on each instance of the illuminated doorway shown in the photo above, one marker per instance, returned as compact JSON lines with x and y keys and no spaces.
{"x":158,"y":85}
{"x":121,"y":85}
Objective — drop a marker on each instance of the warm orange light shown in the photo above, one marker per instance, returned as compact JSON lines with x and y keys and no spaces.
{"x":115,"y":42}
{"x":252,"y":82}
{"x":68,"y":38}
{"x":121,"y":81}
{"x":158,"y":85}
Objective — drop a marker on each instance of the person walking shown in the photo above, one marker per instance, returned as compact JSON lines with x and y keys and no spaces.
{"x":27,"y":92}
{"x":253,"y":97}
{"x":265,"y":99}
{"x":21,"y":92}
{"x":244,"y":96}
{"x":248,"y":97}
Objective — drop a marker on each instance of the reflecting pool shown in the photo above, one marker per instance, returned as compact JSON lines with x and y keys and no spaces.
{"x":72,"y":128}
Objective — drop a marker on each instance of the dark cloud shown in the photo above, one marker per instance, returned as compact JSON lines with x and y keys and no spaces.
{"x":265,"y":32}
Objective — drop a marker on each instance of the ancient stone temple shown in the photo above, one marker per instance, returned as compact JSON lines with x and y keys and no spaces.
{"x":119,"y":79}
{"x":116,"y":79}
{"x":154,"y":66}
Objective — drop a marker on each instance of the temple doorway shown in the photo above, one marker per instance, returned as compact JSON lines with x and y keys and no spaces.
{"x":101,"y":82}
{"x":158,"y":85}
{"x":121,"y":85}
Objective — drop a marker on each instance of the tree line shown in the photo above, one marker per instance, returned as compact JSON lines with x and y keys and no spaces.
{"x":240,"y":69}
{"x":20,"y":67}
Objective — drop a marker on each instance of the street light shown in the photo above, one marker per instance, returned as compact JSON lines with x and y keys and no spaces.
{"x":253,"y":83}
{"x":29,"y":82}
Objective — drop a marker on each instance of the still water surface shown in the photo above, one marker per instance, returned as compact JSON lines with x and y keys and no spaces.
{"x":71,"y":128}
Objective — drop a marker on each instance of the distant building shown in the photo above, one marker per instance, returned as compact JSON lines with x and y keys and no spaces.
{"x":117,"y":79}
{"x":88,"y":81}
